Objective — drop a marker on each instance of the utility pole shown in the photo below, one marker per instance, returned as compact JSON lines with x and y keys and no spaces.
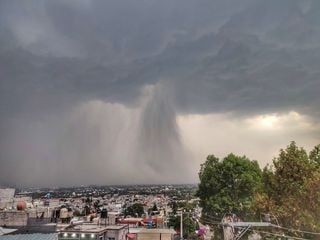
{"x":181,"y":225}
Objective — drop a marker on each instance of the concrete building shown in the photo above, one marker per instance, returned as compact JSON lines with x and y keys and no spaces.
{"x":6,"y":194}
{"x":93,"y":231}
{"x":13,"y":218}
{"x":112,"y":218}
{"x":117,"y":232}
{"x":27,"y":221}
{"x":6,"y":197}
{"x":35,"y":236}
{"x":151,"y":222}
{"x":151,"y":234}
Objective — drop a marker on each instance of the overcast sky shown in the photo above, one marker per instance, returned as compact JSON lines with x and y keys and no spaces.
{"x":126,"y":92}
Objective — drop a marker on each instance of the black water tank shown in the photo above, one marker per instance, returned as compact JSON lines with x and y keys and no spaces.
{"x":104,"y":213}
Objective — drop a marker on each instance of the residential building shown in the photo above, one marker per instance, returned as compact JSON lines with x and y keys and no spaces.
{"x":93,"y":231}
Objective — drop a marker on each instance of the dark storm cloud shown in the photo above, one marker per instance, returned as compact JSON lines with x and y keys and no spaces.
{"x":246,"y":57}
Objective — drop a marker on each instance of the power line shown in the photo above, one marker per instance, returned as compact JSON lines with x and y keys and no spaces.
{"x":278,"y":235}
{"x":212,"y":217}
{"x":214,"y":220}
{"x":213,"y":223}
{"x":277,"y":226}
{"x":296,"y":230}
{"x":209,"y":221}
{"x":252,"y":230}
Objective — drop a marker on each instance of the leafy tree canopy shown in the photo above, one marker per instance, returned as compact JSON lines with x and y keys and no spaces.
{"x":189,"y":225}
{"x":291,"y":188}
{"x":135,"y":210}
{"x":228,"y":185}
{"x":315,"y":155}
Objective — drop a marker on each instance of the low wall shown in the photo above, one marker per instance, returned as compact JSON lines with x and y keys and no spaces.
{"x":13,"y":218}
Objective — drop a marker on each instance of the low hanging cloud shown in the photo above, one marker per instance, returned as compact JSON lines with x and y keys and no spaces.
{"x":100,"y":143}
{"x":114,"y":92}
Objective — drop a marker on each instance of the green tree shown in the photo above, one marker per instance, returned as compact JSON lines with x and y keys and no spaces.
{"x":292,"y":168}
{"x":153,"y":210}
{"x":228,"y":185}
{"x":154,"y":207}
{"x":174,"y":221}
{"x":189,"y":225}
{"x":290,"y":189}
{"x":315,"y":155}
{"x":135,"y":210}
{"x":174,"y":206}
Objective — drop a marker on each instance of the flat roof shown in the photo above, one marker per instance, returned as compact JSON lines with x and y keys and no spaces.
{"x":92,"y":228}
{"x":116,"y":227}
{"x":85,"y":228}
{"x":131,"y":219}
{"x":35,"y":236}
{"x":152,"y":230}
{"x":113,"y":213}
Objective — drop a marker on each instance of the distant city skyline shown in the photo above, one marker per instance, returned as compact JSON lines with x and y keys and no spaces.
{"x":140,"y":92}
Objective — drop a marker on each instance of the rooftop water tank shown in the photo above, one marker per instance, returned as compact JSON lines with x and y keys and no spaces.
{"x":21,"y":205}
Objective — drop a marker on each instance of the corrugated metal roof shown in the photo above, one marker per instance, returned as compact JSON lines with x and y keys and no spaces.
{"x":35,"y":236}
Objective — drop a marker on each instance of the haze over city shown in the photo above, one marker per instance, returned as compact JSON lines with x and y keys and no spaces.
{"x":139,"y":92}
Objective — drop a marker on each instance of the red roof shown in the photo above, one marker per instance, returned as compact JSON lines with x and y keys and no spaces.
{"x":155,"y":220}
{"x":129,"y":221}
{"x":131,"y":235}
